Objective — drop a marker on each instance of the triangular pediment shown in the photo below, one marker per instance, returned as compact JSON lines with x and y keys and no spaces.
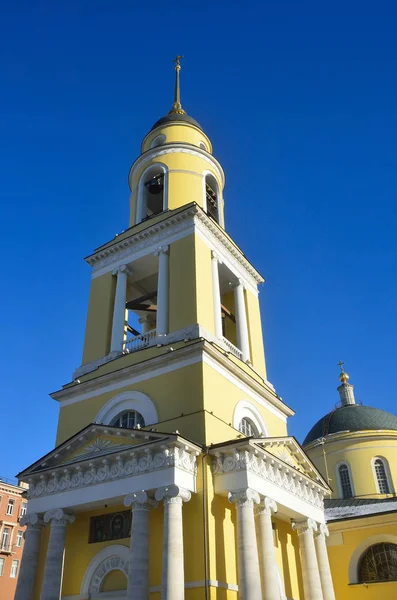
{"x":289,"y":451}
{"x":93,"y":442}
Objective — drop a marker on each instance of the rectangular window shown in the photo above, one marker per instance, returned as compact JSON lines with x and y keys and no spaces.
{"x":14,"y":568}
{"x":10,"y":507}
{"x":24,"y":508}
{"x":5,"y":540}
{"x":1,"y":566}
{"x":19,"y":538}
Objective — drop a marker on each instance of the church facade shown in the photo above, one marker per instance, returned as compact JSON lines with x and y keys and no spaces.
{"x":173,"y":474}
{"x":355,"y":448}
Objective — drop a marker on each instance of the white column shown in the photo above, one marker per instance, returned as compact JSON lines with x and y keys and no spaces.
{"x":138,"y":570}
{"x":310,"y":572}
{"x":30,"y":557}
{"x":323,"y":562}
{"x":162,"y":292}
{"x":52,"y":579}
{"x":118,"y":327}
{"x":216,"y":292}
{"x":267,"y":555}
{"x":249,"y":579}
{"x":173,"y":576}
{"x":241,"y":322}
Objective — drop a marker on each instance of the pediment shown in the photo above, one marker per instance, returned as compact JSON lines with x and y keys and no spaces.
{"x":95,"y":441}
{"x":289,"y":451}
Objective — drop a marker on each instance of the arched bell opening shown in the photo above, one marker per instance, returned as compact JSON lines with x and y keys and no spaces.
{"x":212,"y":197}
{"x":152,"y":190}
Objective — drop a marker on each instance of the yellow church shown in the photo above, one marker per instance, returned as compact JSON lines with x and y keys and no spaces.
{"x":174,"y":475}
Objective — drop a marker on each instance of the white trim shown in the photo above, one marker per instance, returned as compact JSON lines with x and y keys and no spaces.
{"x":245,"y":409}
{"x":179,"y":148}
{"x":338,"y":480}
{"x":117,"y":550}
{"x":244,"y":388}
{"x":129,"y":400}
{"x":389,"y":480}
{"x":139,"y":216}
{"x":361,"y":548}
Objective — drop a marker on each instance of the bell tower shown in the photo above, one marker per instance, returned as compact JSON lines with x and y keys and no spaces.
{"x":174,"y":304}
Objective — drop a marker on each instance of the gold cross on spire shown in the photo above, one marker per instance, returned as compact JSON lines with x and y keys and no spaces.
{"x":177,"y":106}
{"x":343,"y":377}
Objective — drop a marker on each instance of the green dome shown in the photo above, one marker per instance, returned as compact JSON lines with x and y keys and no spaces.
{"x":352,"y":417}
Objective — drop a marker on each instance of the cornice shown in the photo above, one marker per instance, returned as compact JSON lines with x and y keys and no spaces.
{"x":369,"y":435}
{"x":179,"y":148}
{"x":104,"y":259}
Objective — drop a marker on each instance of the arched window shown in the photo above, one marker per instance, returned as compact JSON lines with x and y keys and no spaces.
{"x":152,"y":193}
{"x":248,"y":428}
{"x":159,"y":140}
{"x":345,"y":481}
{"x":129,"y":419}
{"x":212,"y":197}
{"x":203,"y":146}
{"x":381,"y":476}
{"x":378,"y":563}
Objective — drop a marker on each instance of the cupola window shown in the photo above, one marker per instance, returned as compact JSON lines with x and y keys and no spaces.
{"x":378,"y":563}
{"x":248,"y":428}
{"x":381,"y":476}
{"x":129,"y":419}
{"x":159,"y":140}
{"x":345,"y":481}
{"x":212,"y":197}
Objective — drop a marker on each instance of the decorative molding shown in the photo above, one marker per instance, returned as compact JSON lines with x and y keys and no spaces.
{"x":267,"y":506}
{"x":139,"y":501}
{"x":58,"y":517}
{"x":304,"y":527}
{"x":245,"y":409}
{"x":271,"y":469}
{"x":32,"y":521}
{"x":180,"y":148}
{"x":244,"y":497}
{"x":99,"y":447}
{"x":129,"y":400}
{"x":111,"y":558}
{"x":134,"y":461}
{"x":172,"y":494}
{"x":322,"y":530}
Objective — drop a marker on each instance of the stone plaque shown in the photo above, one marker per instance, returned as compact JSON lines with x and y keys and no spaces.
{"x":113,"y":526}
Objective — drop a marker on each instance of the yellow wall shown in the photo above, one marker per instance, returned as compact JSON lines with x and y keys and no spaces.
{"x":345,"y":538}
{"x":288,"y":560}
{"x":178,"y":133}
{"x":358,"y":449}
{"x":99,"y":318}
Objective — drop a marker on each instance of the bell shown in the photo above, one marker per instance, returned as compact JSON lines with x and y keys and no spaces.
{"x":155,"y":185}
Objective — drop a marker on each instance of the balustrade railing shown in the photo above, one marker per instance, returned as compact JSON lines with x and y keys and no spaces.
{"x":232,"y":348}
{"x":140,"y":341}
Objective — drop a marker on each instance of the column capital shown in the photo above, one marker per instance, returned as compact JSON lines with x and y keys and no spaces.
{"x":161,"y":250}
{"x":322,"y":530}
{"x":244,"y":497}
{"x":32,"y":520}
{"x":215,"y":256}
{"x":266,"y":506}
{"x":172,"y":494}
{"x":306,"y":526}
{"x":122,"y":269}
{"x":139,"y":501}
{"x":57,"y":516}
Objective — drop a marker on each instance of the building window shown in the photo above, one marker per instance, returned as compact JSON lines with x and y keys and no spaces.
{"x":14,"y":568}
{"x":248,"y":428}
{"x":1,"y":566}
{"x":152,"y":195}
{"x":158,"y":141}
{"x":10,"y":506}
{"x":345,"y":481}
{"x":130,"y":419}
{"x":203,"y":146}
{"x":378,"y":563}
{"x":24,"y":508}
{"x":212,"y":197}
{"x":19,"y":538}
{"x":5,"y":539}
{"x":381,"y":476}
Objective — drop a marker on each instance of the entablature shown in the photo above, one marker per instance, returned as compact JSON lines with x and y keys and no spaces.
{"x":173,"y":226}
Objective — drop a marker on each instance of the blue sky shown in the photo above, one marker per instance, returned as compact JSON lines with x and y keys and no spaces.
{"x":299,"y":100}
